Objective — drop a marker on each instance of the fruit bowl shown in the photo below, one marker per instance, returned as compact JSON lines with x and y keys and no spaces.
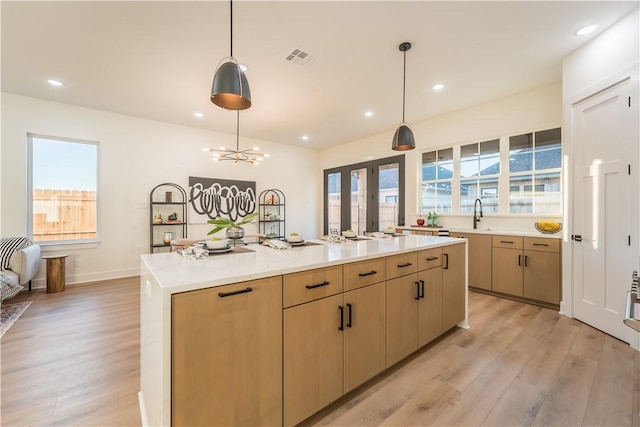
{"x":548,"y":227}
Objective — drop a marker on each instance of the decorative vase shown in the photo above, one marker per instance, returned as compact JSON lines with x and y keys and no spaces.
{"x":235,"y":233}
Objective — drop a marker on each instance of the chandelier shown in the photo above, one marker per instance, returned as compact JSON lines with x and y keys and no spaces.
{"x":249,"y":155}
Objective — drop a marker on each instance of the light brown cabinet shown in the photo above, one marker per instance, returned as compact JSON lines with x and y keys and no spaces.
{"x":227,"y":342}
{"x":334,"y":343}
{"x":403,"y":294}
{"x":527,"y":267}
{"x":453,"y":285}
{"x":479,"y":247}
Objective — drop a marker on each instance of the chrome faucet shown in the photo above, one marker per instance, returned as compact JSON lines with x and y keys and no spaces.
{"x":476,"y":219}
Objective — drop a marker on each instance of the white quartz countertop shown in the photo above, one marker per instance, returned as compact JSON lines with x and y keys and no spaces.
{"x":175,"y":273}
{"x":485,"y":231}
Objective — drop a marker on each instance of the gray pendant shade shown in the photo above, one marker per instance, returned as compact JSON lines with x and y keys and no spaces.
{"x":403,"y":139}
{"x":230,"y":87}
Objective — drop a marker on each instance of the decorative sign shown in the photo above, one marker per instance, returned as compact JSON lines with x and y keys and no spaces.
{"x":210,"y":198}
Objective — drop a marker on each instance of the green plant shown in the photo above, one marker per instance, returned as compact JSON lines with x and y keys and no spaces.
{"x":222,"y":223}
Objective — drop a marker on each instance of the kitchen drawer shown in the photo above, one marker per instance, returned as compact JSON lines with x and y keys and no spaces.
{"x":401,"y":265}
{"x":509,"y":242}
{"x":541,"y":244}
{"x":310,"y":285}
{"x":363,"y":273}
{"x":429,"y":258}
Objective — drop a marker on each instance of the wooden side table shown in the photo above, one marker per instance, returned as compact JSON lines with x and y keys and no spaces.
{"x":55,"y":273}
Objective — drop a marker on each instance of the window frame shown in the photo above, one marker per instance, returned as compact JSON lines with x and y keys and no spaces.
{"x":30,"y":208}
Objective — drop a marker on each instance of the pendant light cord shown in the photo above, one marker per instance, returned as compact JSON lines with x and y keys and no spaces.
{"x":404,"y":82}
{"x":231,"y":27}
{"x":238,"y":132}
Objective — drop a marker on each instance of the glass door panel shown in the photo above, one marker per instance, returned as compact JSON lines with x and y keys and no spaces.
{"x":388,"y":195}
{"x":334,"y":202}
{"x":359,"y":200}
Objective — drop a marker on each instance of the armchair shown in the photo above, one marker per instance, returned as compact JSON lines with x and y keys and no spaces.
{"x":19,"y":262}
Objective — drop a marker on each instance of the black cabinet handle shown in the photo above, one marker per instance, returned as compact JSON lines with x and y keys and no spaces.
{"x":421,"y":288}
{"x":417,"y":297}
{"x":525,"y":260}
{"x":432,"y":258}
{"x":341,"y":327}
{"x":325,"y":283}
{"x":228,"y":294}
{"x":404,"y":265}
{"x":506,"y":241}
{"x":519,"y":260}
{"x":446,"y":262}
{"x":349,"y":323}
{"x":540,"y":244}
{"x":367,"y":274}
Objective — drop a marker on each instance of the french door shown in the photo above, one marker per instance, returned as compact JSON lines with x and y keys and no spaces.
{"x":365,"y":196}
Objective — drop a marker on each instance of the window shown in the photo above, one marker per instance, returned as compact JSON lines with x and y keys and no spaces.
{"x":63,"y":183}
{"x":374,"y":191}
{"x":535,"y":160}
{"x":437,"y":181}
{"x":479,"y":173}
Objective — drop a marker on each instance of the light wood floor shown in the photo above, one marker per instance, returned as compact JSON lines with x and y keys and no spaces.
{"x":73,"y":359}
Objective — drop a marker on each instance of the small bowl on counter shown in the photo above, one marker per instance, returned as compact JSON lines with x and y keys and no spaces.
{"x":548,"y":227}
{"x":294,"y":238}
{"x":349,"y":234}
{"x":217,"y":243}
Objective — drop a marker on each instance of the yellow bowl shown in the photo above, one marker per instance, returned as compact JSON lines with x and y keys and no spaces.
{"x":548,"y":227}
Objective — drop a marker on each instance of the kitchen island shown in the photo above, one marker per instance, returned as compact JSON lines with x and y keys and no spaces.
{"x":269,"y":337}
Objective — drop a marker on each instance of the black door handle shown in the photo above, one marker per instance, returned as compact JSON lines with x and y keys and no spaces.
{"x":519,"y":260}
{"x":228,"y":294}
{"x":325,"y":283}
{"x":525,"y":260}
{"x":446,"y":262}
{"x":576,"y":237}
{"x":421,"y":288}
{"x":341,"y":327}
{"x":417,"y":297}
{"x":349,"y":322}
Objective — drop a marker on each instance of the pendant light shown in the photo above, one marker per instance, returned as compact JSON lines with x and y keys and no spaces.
{"x":250,"y":155}
{"x":230,"y":87}
{"x":403,"y":138}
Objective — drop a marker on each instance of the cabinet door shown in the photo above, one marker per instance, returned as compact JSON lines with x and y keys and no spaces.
{"x":429,"y":305}
{"x":313,"y":355}
{"x":364,"y":342}
{"x":479,"y":259}
{"x":507,"y":271}
{"x":542,"y":276}
{"x":402,"y":317}
{"x":227,"y":342}
{"x":454,"y":297}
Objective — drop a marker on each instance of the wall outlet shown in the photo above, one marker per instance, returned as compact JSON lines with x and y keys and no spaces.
{"x":76,"y":262}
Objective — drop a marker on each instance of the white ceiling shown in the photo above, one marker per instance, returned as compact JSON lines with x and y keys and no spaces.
{"x":157,"y":59}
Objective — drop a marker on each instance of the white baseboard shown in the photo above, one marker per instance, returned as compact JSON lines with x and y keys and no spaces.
{"x":78,"y":279}
{"x":143,"y":410}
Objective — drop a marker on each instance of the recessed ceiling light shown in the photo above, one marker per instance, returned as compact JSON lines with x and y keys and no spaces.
{"x":368,"y":113}
{"x":587,"y":29}
{"x":305,"y":137}
{"x":55,"y":82}
{"x":438,"y":86}
{"x":198,"y":115}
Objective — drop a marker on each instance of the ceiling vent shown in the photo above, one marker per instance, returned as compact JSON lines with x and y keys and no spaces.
{"x":299,"y":56}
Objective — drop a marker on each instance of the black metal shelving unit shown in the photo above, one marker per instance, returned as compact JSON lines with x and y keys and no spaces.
{"x":272,"y":218}
{"x":159,"y":204}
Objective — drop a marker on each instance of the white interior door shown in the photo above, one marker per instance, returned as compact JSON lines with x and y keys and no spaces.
{"x":605,"y":207}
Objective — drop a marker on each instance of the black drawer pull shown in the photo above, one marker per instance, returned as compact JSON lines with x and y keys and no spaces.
{"x":228,"y":294}
{"x":417,"y":297}
{"x":432,"y":258}
{"x":349,"y":322}
{"x":506,"y":241}
{"x":519,"y":260}
{"x":540,"y":244}
{"x":367,"y":274}
{"x":341,"y":327}
{"x":404,"y":265}
{"x":325,"y":283}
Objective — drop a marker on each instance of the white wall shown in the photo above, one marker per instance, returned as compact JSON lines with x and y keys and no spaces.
{"x":136,"y":155}
{"x":534,"y":110}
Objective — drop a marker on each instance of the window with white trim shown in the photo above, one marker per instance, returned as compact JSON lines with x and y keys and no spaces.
{"x":479,"y":175}
{"x":63,"y":189}
{"x":437,"y":181}
{"x":535,"y":161}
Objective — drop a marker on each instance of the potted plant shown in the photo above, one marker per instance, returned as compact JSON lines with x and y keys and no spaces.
{"x":234,"y":229}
